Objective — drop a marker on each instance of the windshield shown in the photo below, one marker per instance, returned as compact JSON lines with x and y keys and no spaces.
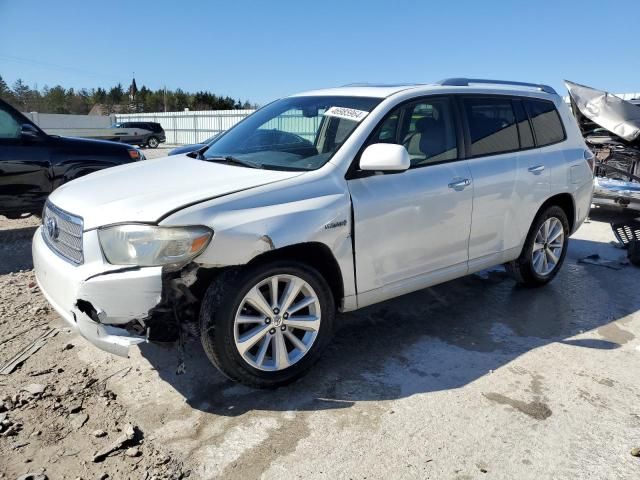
{"x":295,"y":133}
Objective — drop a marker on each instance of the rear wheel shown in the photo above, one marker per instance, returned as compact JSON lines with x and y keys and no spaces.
{"x":267,"y":325}
{"x":544,"y":249}
{"x":153,"y":142}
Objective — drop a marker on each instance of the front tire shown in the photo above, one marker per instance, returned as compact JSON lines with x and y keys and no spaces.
{"x":544,"y":249}
{"x":266,"y":325}
{"x":153,"y":142}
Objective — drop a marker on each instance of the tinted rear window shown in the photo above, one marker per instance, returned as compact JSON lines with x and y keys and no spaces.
{"x":546,"y":122}
{"x":492,"y":125}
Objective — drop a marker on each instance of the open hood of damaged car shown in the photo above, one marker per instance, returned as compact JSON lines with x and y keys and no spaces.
{"x":620,"y":117}
{"x":148,"y":190}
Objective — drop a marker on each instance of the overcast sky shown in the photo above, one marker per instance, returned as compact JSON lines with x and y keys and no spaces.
{"x":262,"y":50}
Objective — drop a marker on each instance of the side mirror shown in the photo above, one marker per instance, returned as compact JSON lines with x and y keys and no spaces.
{"x":29,"y":132}
{"x":387,"y":157}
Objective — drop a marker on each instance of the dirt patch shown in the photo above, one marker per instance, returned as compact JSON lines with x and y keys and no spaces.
{"x":280,"y":442}
{"x":535,"y":409}
{"x":613,"y":333}
{"x":58,"y":417}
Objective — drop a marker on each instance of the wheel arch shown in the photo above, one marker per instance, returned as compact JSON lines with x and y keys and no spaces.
{"x":316,"y":255}
{"x":564,"y":201}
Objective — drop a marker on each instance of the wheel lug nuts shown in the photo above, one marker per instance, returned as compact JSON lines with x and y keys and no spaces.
{"x":276,"y":311}
{"x":272,"y":331}
{"x":267,"y":320}
{"x":286,"y":315}
{"x":283,"y":328}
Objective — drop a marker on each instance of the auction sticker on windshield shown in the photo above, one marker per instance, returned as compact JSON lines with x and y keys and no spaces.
{"x":347,"y":113}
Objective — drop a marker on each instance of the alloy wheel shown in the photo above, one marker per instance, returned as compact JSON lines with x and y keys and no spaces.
{"x":547,"y":246}
{"x":277,"y":322}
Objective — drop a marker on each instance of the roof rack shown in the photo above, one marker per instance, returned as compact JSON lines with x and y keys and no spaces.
{"x":464,"y":82}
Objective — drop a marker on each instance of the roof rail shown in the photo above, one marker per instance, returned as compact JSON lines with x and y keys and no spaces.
{"x":464,"y":82}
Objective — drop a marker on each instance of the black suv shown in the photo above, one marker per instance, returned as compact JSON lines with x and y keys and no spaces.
{"x":144,"y":134}
{"x":33,"y":164}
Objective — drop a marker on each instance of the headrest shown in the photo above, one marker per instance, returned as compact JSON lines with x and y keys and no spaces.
{"x":427,"y":123}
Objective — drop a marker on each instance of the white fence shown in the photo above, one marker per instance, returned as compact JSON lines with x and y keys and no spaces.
{"x":189,"y":126}
{"x":71,"y":125}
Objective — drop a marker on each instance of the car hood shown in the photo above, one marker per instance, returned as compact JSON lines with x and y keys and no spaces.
{"x":610,"y":112}
{"x":146,"y":191}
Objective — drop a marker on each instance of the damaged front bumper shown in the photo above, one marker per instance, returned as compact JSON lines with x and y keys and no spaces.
{"x":105,"y":304}
{"x":609,"y":191}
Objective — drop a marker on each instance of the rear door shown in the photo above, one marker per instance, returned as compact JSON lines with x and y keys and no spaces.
{"x":24,"y":166}
{"x":412,"y":228}
{"x":507,"y":180}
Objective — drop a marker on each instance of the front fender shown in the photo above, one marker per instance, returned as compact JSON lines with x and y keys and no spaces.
{"x":251,"y":226}
{"x":242,"y":235}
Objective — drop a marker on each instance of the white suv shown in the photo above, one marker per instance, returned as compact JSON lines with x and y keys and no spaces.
{"x":323,"y":201}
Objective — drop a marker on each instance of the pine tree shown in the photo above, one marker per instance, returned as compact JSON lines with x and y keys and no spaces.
{"x":21,"y":92}
{"x":5,"y":91}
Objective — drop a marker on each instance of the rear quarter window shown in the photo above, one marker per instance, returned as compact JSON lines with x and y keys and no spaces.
{"x":547,"y":125}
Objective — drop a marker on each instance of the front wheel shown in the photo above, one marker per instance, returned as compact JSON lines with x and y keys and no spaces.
{"x":265,"y":326}
{"x":153,"y":142}
{"x":544,"y":249}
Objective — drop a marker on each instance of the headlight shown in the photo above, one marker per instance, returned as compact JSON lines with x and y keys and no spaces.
{"x":148,"y":245}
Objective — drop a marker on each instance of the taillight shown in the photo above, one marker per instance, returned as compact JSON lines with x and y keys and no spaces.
{"x":590,"y":158}
{"x":135,"y":155}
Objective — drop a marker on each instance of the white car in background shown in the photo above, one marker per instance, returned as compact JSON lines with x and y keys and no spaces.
{"x":259,"y":239}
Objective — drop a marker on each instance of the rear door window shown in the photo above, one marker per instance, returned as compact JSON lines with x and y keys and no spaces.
{"x":492,"y":125}
{"x":546,"y":122}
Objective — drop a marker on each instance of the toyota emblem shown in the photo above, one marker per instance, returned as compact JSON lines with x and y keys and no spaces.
{"x":52,"y":227}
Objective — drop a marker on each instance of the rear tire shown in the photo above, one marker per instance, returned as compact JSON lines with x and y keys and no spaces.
{"x":153,"y":142}
{"x":544,"y":249}
{"x":265,"y":347}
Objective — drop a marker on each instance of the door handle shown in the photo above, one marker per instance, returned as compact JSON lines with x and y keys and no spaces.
{"x":460,"y":184}
{"x":538,"y":169}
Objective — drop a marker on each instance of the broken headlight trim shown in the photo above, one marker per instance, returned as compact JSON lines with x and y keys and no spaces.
{"x":152,"y":246}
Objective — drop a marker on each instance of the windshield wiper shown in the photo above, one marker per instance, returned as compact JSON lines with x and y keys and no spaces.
{"x":232,"y":161}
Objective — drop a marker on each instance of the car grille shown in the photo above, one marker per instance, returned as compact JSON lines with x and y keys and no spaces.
{"x":63,"y":233}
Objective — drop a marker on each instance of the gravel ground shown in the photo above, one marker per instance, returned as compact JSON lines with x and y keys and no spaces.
{"x":475,"y":378}
{"x":162,"y":151}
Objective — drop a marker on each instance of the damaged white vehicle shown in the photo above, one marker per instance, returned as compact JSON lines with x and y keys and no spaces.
{"x":320,"y":202}
{"x":611,"y":129}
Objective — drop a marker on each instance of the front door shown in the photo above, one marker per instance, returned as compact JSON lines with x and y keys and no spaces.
{"x":412,"y":228}
{"x":24,"y":167}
